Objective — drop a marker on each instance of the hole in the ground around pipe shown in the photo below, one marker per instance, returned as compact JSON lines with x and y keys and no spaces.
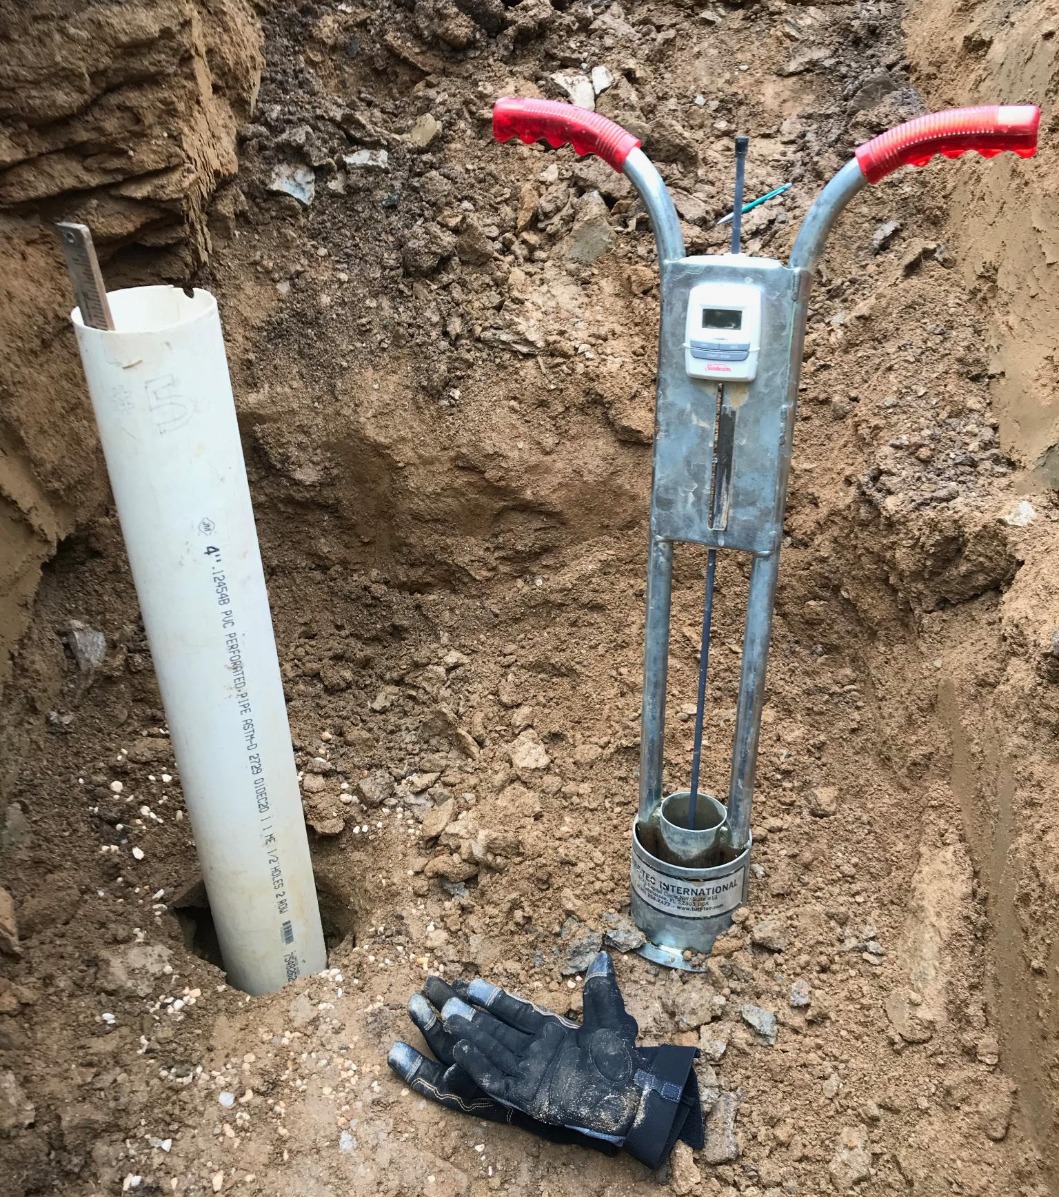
{"x":193,"y":914}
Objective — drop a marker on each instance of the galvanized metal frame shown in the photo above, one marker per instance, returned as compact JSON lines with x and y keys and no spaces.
{"x":752,"y":521}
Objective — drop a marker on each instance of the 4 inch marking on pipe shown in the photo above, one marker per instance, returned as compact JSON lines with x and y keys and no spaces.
{"x":241,"y":694}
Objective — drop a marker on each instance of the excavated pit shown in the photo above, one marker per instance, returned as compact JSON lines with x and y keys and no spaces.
{"x":444,"y":371}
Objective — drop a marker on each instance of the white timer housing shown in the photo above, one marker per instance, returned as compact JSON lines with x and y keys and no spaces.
{"x":723,"y":333}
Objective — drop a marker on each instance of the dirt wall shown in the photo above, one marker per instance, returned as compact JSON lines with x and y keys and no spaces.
{"x":122,"y":116}
{"x":998,"y":696}
{"x":1006,"y":215}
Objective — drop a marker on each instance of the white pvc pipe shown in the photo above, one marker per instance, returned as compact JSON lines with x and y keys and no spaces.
{"x":163,"y":402}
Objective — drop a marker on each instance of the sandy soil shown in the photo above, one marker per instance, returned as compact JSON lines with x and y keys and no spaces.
{"x":444,"y":368}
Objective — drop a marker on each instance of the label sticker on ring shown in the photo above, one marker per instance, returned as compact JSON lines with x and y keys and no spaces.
{"x":690,"y":899}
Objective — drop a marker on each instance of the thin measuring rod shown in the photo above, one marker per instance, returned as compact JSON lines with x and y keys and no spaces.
{"x":741,"y":145}
{"x":700,"y":704}
{"x":720,"y":477}
{"x":90,"y":292}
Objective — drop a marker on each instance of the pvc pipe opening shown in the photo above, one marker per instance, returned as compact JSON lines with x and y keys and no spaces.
{"x":151,"y":310}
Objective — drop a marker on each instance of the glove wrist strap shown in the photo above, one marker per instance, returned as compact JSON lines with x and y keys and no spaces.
{"x":650,"y":1138}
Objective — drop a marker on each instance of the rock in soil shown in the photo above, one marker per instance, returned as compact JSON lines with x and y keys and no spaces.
{"x":528,"y":753}
{"x":16,"y":1110}
{"x":437,"y":819}
{"x":88,"y":646}
{"x":769,"y":934}
{"x":622,"y":933}
{"x":851,"y":1162}
{"x":823,"y":801}
{"x":8,"y":925}
{"x":583,"y":949}
{"x":762,"y":1022}
{"x":684,"y":1175}
{"x":712,"y":1045}
{"x":722,"y":1146}
{"x":996,"y":1106}
{"x":801,"y":995}
{"x":904,"y":1015}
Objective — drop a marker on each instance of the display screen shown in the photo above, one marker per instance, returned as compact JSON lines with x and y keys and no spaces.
{"x":722,"y":318}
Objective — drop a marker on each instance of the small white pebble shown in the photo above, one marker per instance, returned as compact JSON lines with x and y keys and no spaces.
{"x":116,"y":787}
{"x":137,"y":853}
{"x":226,"y":1099}
{"x":166,"y":778}
{"x":109,"y":1019}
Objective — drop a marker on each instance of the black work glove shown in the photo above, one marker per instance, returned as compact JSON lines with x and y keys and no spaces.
{"x":450,"y":1085}
{"x":591,"y":1079}
{"x":447,"y":1083}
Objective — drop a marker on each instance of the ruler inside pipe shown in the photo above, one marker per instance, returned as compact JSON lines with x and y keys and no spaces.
{"x":87,"y":279}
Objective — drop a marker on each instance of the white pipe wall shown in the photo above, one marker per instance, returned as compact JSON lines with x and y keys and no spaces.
{"x":163,"y":403}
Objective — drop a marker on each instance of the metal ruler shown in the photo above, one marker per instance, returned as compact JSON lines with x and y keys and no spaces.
{"x":83,"y":267}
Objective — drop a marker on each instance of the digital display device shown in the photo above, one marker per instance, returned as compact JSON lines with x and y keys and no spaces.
{"x":722,"y":318}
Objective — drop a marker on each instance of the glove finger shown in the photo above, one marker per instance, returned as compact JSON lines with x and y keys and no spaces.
{"x":490,"y":1077}
{"x":603,"y":1003}
{"x":508,"y":1036}
{"x":428,"y":1020}
{"x":501,"y":1058}
{"x":438,"y":991}
{"x":515,"y":1011}
{"x":451,"y":1087}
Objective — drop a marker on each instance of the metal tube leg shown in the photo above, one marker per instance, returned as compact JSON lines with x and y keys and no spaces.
{"x":655,"y":672}
{"x":763,"y":575}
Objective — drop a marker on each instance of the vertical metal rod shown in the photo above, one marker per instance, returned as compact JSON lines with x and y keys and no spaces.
{"x":655,"y":673}
{"x":704,"y":668}
{"x":741,"y":144}
{"x":763,"y":575}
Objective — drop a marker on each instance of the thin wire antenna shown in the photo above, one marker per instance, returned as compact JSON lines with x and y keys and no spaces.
{"x":742,"y":144}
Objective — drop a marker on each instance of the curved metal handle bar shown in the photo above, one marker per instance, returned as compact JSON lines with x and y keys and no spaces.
{"x":643,"y":175}
{"x":820,"y":219}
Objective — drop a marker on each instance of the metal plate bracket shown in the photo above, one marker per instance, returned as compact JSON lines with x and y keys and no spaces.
{"x":762,"y":412}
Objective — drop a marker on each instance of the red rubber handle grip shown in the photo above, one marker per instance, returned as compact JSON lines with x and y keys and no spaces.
{"x":990,"y":130}
{"x":563,"y":124}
